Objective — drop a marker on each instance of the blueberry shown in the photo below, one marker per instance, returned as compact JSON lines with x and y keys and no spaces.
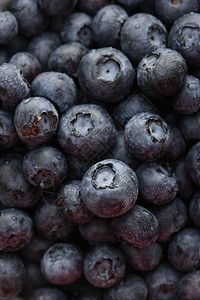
{"x":36,"y":120}
{"x":49,"y":222}
{"x":161,"y":73}
{"x":8,"y":134}
{"x":16,"y":229}
{"x":141,"y":34}
{"x":184,"y":38}
{"x":8,"y":27}
{"x":147,"y":136}
{"x":66,"y":58}
{"x":184,"y":250}
{"x":57,"y":7}
{"x":104,"y":266}
{"x":169,"y":11}
{"x":13,"y":85}
{"x":62,"y":263}
{"x":30,"y":19}
{"x":71,"y":205}
{"x":77,"y":28}
{"x":131,"y":4}
{"x":86,"y":130}
{"x":47,"y":294}
{"x":3,"y":56}
{"x":109,"y":188}
{"x":27,"y":63}
{"x":143,"y":259}
{"x":171,"y":218}
{"x":98,"y":231}
{"x":91,"y":7}
{"x":57,"y":87}
{"x":138,"y":227}
{"x":188,"y":286}
{"x":132,"y":287}
{"x":106,"y":74}
{"x":157,"y":182}
{"x":45,"y":166}
{"x":107,"y":24}
{"x":162,"y":282}
{"x":194,"y":209}
{"x":192,"y":164}
{"x":42,"y":46}
{"x":14,"y":188}
{"x":189,"y":126}
{"x":12,"y":275}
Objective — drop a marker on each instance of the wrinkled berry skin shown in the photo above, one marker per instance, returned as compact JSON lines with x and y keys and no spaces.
{"x":161,"y":73}
{"x":157,"y":182}
{"x":184,"y":250}
{"x":86,"y":130}
{"x":109,"y":188}
{"x":13,"y":85}
{"x":141,"y":34}
{"x":162,"y":282}
{"x":71,"y":205}
{"x":143,"y":259}
{"x":184,"y":38}
{"x":45,"y":167}
{"x":12,"y":275}
{"x":138,"y":227}
{"x":106,"y":74}
{"x":15,"y":190}
{"x":188,"y":286}
{"x":107,"y":24}
{"x":8,"y":27}
{"x":57,"y":8}
{"x":16,"y":229}
{"x":147,"y":136}
{"x":192,"y":164}
{"x":57,"y":87}
{"x":49,"y":293}
{"x":62,"y":263}
{"x":104,"y":266}
{"x":131,"y":287}
{"x":77,"y":28}
{"x":36,"y":120}
{"x":8,"y":134}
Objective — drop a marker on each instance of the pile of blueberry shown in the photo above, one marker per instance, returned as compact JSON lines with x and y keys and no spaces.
{"x":100,"y":150}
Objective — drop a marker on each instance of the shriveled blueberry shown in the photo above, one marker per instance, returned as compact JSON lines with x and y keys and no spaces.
{"x":30,"y":19}
{"x":171,"y":218}
{"x":131,"y":287}
{"x":66,"y":58}
{"x":147,"y":136}
{"x":157,"y":182}
{"x":62,"y":263}
{"x":184,"y":250}
{"x":109,"y":188}
{"x":107,"y":24}
{"x":57,"y":8}
{"x":27,"y":63}
{"x":8,"y":27}
{"x":8,"y":134}
{"x":86,"y":130}
{"x":36,"y":120}
{"x":57,"y":87}
{"x":143,"y":259}
{"x":49,"y":293}
{"x":184,"y":38}
{"x":161,"y":73}
{"x":42,"y":45}
{"x":15,"y":190}
{"x":98,"y":231}
{"x":12,"y":275}
{"x":162,"y":282}
{"x":77,"y":28}
{"x":138,"y":227}
{"x":188,"y":286}
{"x":141,"y":34}
{"x":104,"y":266}
{"x":16,"y":229}
{"x":106,"y":74}
{"x":13,"y":85}
{"x":45,"y":166}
